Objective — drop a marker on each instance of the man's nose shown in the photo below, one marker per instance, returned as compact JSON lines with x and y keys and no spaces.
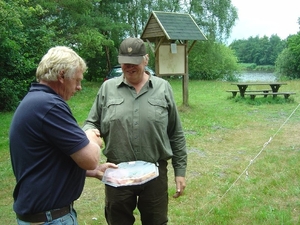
{"x":78,"y":87}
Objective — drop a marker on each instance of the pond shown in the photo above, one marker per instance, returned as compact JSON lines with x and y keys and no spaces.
{"x":256,"y":76}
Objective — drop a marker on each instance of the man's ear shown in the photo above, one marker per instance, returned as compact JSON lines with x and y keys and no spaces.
{"x":61,"y":76}
{"x":146,"y":59}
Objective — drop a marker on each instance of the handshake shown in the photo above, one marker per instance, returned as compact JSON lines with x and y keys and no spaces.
{"x":94,"y":136}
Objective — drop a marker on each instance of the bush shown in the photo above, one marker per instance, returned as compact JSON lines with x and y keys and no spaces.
{"x":212,"y":61}
{"x":11,"y":93}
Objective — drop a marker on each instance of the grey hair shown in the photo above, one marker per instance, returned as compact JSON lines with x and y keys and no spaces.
{"x":59,"y":60}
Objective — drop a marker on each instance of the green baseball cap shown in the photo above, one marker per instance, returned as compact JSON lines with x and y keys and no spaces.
{"x":131,"y":51}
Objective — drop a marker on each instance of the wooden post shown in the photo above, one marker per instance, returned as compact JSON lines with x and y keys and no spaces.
{"x":185,"y":80}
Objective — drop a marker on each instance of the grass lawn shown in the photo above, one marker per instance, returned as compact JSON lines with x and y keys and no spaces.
{"x":243,"y":159}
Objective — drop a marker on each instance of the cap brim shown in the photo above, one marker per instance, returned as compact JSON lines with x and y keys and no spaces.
{"x":136,"y":60}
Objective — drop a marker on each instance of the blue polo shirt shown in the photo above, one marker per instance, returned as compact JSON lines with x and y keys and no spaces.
{"x":43,"y":135}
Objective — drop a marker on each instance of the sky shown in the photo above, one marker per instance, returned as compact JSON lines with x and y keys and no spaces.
{"x":265,"y":17}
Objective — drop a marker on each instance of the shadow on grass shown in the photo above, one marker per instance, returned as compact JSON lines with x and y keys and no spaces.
{"x":262,"y":100}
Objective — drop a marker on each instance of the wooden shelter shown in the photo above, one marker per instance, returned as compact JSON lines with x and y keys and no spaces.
{"x":170,"y":33}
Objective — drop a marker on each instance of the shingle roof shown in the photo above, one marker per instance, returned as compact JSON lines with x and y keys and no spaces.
{"x":173,"y":26}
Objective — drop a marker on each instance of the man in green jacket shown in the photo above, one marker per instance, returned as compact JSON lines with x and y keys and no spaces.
{"x":138,"y":120}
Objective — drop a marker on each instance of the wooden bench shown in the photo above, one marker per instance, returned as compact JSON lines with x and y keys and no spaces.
{"x":274,"y":94}
{"x":234,"y":92}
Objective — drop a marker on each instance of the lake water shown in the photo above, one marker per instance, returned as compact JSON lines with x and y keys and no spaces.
{"x":256,"y":76}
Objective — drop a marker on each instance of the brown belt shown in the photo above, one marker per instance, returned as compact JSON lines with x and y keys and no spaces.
{"x":42,"y":217}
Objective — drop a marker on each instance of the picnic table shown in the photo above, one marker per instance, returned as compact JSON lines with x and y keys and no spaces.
{"x":244,"y":85}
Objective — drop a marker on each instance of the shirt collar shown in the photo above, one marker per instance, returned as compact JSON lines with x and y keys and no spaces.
{"x":41,"y":87}
{"x":120,"y":81}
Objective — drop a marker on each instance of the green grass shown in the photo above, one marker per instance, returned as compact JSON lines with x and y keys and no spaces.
{"x":224,"y":135}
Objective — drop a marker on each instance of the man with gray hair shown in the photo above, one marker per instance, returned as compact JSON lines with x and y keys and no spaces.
{"x":50,"y":154}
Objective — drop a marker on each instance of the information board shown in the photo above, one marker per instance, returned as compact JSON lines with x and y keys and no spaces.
{"x":171,"y":63}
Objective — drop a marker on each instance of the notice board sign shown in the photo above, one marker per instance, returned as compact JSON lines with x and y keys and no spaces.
{"x":171,"y":59}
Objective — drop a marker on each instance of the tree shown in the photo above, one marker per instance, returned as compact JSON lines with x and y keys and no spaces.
{"x":93,"y":28}
{"x":211,"y":61}
{"x":18,"y":50}
{"x":215,"y":18}
{"x":77,"y":24}
{"x":260,"y":51}
{"x":287,"y":63}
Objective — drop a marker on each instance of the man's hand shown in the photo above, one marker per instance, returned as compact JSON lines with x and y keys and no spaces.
{"x":180,"y":186}
{"x":94,"y":136}
{"x":99,"y":171}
